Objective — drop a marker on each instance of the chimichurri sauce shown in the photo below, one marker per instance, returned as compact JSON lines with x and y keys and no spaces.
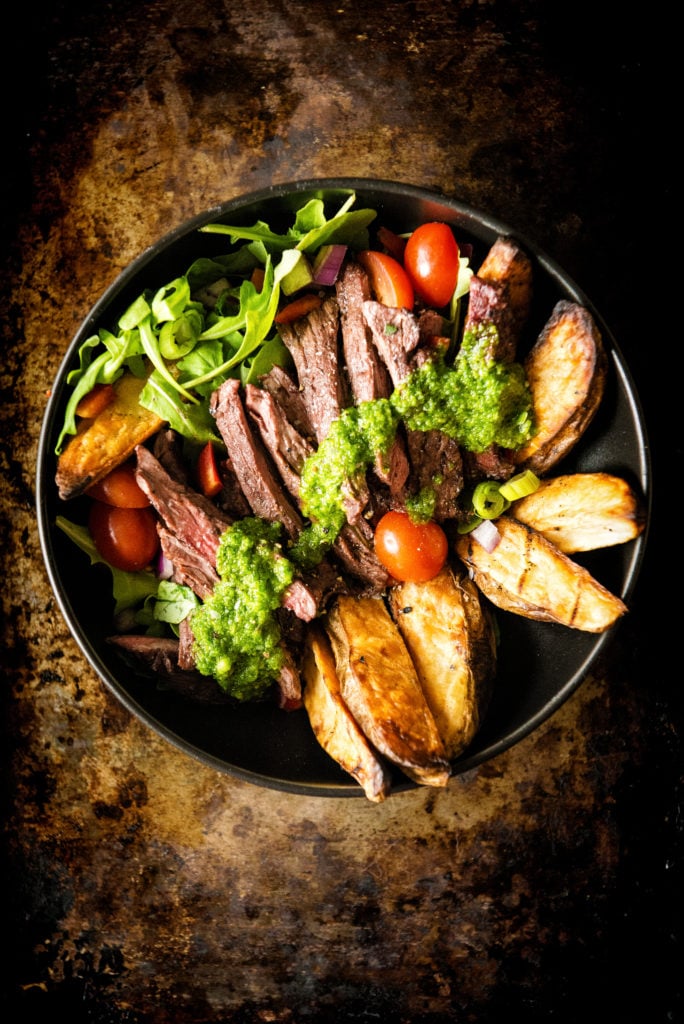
{"x":236,"y":632}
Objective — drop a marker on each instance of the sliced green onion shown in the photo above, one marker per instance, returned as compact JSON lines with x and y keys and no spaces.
{"x":467,"y":525}
{"x":520,"y":486}
{"x":488,"y":501}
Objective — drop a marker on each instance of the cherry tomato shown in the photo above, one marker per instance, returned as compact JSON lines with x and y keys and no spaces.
{"x":389,"y":281}
{"x":431,"y":262}
{"x":125,"y":537}
{"x":208,"y":474}
{"x":411,"y":552}
{"x":120,"y":488}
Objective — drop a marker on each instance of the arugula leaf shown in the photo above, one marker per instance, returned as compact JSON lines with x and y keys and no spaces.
{"x":192,"y":421}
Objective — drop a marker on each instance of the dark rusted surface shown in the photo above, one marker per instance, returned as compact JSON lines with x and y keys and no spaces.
{"x":145,"y":888}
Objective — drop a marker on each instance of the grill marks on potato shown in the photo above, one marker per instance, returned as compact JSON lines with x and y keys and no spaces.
{"x":583,"y":511}
{"x":528,"y":575}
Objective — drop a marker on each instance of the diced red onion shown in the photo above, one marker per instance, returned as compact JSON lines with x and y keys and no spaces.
{"x":163,"y":567}
{"x":487,"y":535}
{"x":325,"y":272}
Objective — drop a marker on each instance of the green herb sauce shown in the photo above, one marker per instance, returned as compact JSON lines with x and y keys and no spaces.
{"x":341,"y":459}
{"x":237,"y":635}
{"x":477,"y":401}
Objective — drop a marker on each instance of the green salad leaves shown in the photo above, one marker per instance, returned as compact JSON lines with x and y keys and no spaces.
{"x":214,"y":322}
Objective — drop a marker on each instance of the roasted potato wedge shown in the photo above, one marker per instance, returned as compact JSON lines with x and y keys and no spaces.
{"x":105,"y":442}
{"x":501,"y":292}
{"x":528,"y":575}
{"x":333,"y":724}
{"x":380,"y":686}
{"x":566,"y":369}
{"x":582,"y":511}
{"x":450,"y":637}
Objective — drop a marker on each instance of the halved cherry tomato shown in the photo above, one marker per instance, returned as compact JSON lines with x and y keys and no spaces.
{"x":410,"y":551}
{"x":389,"y":281}
{"x":298,"y":307}
{"x":97,"y":399}
{"x":431,"y":261}
{"x":208,"y":474}
{"x":120,"y":488}
{"x":125,"y":537}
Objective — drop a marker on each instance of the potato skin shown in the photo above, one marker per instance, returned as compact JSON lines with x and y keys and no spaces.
{"x":332,"y":723}
{"x":450,"y":637}
{"x":566,"y":369}
{"x":380,"y":686}
{"x":103,"y":443}
{"x":582,"y":511}
{"x":528,"y":575}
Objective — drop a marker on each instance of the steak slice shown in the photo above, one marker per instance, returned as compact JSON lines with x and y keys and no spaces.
{"x":396,"y":335}
{"x":289,"y":397}
{"x":313,"y":344}
{"x":436,"y":464}
{"x":284,"y":443}
{"x":368,"y":376}
{"x":367,"y":373}
{"x":256,"y":475}
{"x":194,"y":519}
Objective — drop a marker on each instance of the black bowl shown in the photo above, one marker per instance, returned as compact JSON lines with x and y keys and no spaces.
{"x":540,"y":665}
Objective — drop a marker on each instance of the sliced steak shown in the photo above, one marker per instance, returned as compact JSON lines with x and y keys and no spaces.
{"x":167,"y":450}
{"x":313,"y":344}
{"x":160,"y":655}
{"x":489,"y":302}
{"x":194,"y":519}
{"x":354,"y":550}
{"x":284,"y":443}
{"x":494,"y":463}
{"x":396,"y":335}
{"x":289,"y":396}
{"x":367,"y":373}
{"x":190,"y":568}
{"x":253,"y":468}
{"x":437,"y":464}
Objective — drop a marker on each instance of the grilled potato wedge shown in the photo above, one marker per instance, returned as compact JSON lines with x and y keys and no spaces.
{"x":333,"y":725}
{"x":450,"y":637}
{"x":380,"y":686}
{"x":582,"y":511}
{"x":566,"y":370}
{"x":528,"y":575}
{"x":502,"y":293}
{"x":106,"y":441}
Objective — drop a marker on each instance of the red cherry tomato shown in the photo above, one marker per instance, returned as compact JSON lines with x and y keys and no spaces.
{"x":125,"y":537}
{"x":411,"y":552}
{"x":208,"y":473}
{"x":120,"y":488}
{"x":388,"y":279}
{"x":431,"y":262}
